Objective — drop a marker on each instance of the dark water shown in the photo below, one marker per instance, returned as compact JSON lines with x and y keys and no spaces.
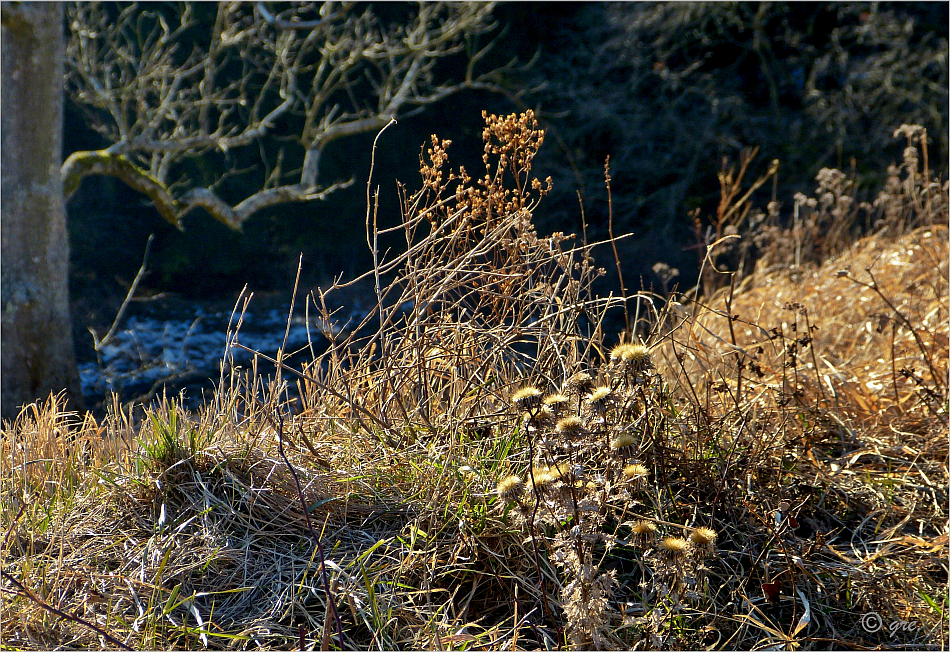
{"x":182,"y":350}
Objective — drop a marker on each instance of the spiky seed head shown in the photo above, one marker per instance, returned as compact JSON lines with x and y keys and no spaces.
{"x":636,"y":359}
{"x":636,"y":472}
{"x":579,"y":384}
{"x":703,"y":536}
{"x":674,"y":548}
{"x":527,"y":398}
{"x":644,"y":527}
{"x":637,"y":354}
{"x":510,"y":488}
{"x":556,"y":404}
{"x":643,"y":532}
{"x":525,"y":393}
{"x":555,"y":400}
{"x":543,"y":478}
{"x":599,"y":395}
{"x":704,"y":540}
{"x":559,"y":470}
{"x":622,"y":442}
{"x":570,"y":427}
{"x":616,"y":353}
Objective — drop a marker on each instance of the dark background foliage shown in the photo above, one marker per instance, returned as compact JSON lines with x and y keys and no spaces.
{"x":666,"y":90}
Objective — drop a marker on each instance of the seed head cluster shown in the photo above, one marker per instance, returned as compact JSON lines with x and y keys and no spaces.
{"x":589,"y":461}
{"x":623,"y":442}
{"x":578,"y":384}
{"x":644,"y":532}
{"x":570,"y":427}
{"x":557,"y":403}
{"x":674,"y":548}
{"x":637,"y":475}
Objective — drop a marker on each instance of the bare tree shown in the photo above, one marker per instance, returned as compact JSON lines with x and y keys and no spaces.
{"x":164,"y":94}
{"x":165,"y":91}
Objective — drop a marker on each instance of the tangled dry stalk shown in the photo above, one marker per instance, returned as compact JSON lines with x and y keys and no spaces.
{"x":759,"y":467}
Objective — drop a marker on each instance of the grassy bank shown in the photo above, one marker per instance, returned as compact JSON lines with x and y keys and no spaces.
{"x":479,"y":465}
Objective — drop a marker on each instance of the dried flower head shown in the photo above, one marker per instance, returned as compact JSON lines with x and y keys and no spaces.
{"x":542,"y":478}
{"x":616,"y":353}
{"x":553,"y":400}
{"x":631,"y":359}
{"x":674,"y":548}
{"x":527,"y":398}
{"x":643,"y":532}
{"x":578,"y":384}
{"x":510,"y":488}
{"x":556,"y":402}
{"x":704,"y":540}
{"x":623,"y":442}
{"x":559,"y":470}
{"x":636,"y":474}
{"x":598,"y":399}
{"x":637,"y":357}
{"x":570,"y":427}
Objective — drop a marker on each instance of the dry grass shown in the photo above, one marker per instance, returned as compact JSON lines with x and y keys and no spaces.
{"x":826,"y":432}
{"x":789,"y":430}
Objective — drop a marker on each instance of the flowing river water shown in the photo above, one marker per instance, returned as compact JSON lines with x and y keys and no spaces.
{"x":182,"y":353}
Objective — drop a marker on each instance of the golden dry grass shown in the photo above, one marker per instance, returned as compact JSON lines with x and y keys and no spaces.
{"x":789,"y":429}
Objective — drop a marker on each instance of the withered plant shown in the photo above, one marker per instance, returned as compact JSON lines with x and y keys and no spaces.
{"x":480,"y":463}
{"x":476,"y":301}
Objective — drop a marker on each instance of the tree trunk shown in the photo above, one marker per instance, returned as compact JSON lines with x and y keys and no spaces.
{"x":37,"y":345}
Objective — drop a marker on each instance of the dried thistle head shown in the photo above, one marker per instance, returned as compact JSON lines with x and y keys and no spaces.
{"x":561,"y":470}
{"x":598,"y":399}
{"x":674,"y":549}
{"x":636,"y":475}
{"x":616,"y":353}
{"x":510,"y":488}
{"x":570,"y":427}
{"x":637,"y":358}
{"x":542,"y":479}
{"x":644,"y":532}
{"x":557,"y":403}
{"x":704,"y":540}
{"x":527,"y":398}
{"x":579,"y":384}
{"x":623,"y":443}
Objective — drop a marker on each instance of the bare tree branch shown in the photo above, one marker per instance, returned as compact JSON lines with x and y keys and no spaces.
{"x":285,"y":24}
{"x":83,"y":164}
{"x":164,"y":96}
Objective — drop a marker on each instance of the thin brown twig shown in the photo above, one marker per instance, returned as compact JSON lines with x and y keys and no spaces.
{"x":62,"y":614}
